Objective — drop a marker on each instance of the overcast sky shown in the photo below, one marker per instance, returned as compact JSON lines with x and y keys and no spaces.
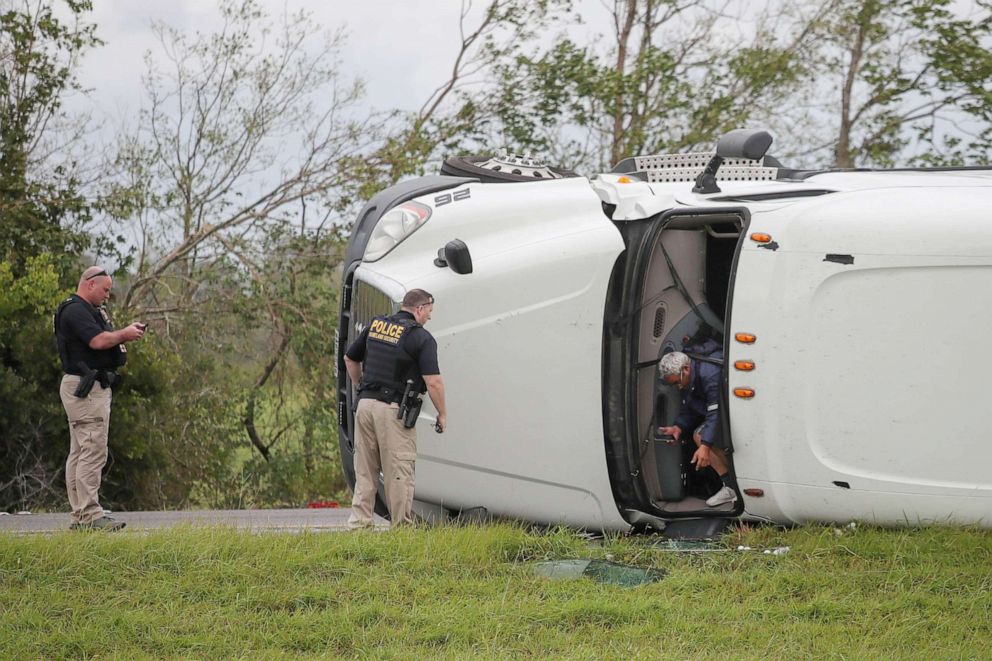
{"x":403,"y":49}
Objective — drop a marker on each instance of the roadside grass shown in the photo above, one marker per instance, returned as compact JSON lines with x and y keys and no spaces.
{"x":470,"y":592}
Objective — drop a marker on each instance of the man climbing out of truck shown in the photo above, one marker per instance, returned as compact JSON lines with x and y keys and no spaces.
{"x":697,"y":374}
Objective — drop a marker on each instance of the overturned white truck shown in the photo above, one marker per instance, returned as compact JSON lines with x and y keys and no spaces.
{"x":853,"y":307}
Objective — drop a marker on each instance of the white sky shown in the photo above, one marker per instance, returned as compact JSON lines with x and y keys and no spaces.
{"x":402,"y":49}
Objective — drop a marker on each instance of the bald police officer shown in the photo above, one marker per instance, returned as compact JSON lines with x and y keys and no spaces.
{"x":91,"y":351}
{"x":391,"y":351}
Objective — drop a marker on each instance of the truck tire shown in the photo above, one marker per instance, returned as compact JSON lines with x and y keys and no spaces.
{"x":501,"y":170}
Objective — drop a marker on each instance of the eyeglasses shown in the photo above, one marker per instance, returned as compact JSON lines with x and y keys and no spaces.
{"x":96,"y":275}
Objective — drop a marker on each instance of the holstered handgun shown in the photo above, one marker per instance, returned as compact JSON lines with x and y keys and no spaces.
{"x":106,"y":378}
{"x":410,"y":406}
{"x":86,"y":381}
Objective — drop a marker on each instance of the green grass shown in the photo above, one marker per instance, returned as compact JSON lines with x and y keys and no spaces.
{"x":470,"y":592}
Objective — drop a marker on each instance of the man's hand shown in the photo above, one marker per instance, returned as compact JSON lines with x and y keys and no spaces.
{"x":441,"y":424}
{"x":108,"y":339}
{"x":674,"y":431}
{"x":701,"y":457}
{"x":133,"y":332}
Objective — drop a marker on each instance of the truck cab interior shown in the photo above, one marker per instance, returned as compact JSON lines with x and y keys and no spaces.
{"x":678,"y":272}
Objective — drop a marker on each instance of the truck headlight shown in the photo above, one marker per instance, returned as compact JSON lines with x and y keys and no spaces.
{"x":394,"y":226}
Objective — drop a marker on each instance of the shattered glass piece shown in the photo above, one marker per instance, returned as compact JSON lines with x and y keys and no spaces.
{"x":687,"y":545}
{"x":561,"y":568}
{"x":622,"y":575}
{"x":602,"y":571}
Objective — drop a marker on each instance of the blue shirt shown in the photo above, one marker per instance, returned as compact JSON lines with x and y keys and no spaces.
{"x":701,"y":399}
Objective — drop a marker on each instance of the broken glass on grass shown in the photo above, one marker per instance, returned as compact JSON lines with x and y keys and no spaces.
{"x":688,"y":545}
{"x":602,"y":571}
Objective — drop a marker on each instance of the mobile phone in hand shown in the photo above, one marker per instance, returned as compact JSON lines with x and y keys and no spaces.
{"x":141,"y":326}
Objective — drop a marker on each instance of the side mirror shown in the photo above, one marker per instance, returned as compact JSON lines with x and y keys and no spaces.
{"x":744,"y":143}
{"x":455,"y":254}
{"x":739,"y":143}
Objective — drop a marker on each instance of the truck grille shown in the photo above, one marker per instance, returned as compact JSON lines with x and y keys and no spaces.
{"x":367,"y":302}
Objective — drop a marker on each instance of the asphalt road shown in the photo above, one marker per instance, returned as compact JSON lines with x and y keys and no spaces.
{"x":318,"y":519}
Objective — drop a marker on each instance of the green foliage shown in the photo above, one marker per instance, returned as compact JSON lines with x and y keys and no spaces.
{"x":470,"y":592}
{"x":455,"y":117}
{"x":236,"y":269}
{"x":159,"y":423}
{"x":39,"y":206}
{"x":911,"y":78}
{"x":39,"y":200}
{"x":31,"y":417}
{"x":858,"y":82}
{"x":32,"y":295}
{"x":662,"y":82}
{"x":295,"y":408}
{"x":172,"y":428}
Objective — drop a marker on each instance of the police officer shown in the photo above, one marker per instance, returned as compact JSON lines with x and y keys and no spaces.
{"x":91,"y":351}
{"x":699,"y":382}
{"x":391,"y":351}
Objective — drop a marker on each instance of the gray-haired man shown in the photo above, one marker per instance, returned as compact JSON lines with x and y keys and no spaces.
{"x":699,"y":383}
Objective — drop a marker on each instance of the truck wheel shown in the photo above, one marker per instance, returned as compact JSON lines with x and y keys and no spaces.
{"x":503,"y":168}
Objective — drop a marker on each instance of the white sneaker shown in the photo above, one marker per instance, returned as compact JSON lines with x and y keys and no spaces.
{"x":724,"y":495}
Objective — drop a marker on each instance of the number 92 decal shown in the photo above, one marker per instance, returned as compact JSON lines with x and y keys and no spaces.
{"x":448,"y":198}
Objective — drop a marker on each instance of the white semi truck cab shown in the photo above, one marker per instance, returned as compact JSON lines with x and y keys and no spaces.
{"x":851,"y":306}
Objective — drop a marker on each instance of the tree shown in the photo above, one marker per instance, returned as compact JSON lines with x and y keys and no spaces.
{"x":242,"y":128}
{"x":231,"y":188}
{"x":453,"y":117}
{"x":672,"y":75}
{"x":41,"y":211}
{"x":39,"y":198}
{"x":904,"y":78}
{"x":32,"y":423}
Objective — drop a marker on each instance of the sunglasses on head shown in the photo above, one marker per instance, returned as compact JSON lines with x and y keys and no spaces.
{"x":96,"y":275}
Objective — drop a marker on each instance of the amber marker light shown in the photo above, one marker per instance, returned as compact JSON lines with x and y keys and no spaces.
{"x":624,"y":180}
{"x":745,"y":338}
{"x":744,"y":393}
{"x":760,"y":237}
{"x":744,"y":365}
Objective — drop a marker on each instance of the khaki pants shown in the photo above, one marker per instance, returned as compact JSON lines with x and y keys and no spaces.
{"x":382,"y":443}
{"x":89,"y":421}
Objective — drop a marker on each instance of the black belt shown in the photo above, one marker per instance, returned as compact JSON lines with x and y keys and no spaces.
{"x":111,"y":372}
{"x":387,"y":395}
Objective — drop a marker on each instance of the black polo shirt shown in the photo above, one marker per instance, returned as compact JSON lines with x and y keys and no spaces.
{"x":418,"y":343}
{"x":78,"y":323}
